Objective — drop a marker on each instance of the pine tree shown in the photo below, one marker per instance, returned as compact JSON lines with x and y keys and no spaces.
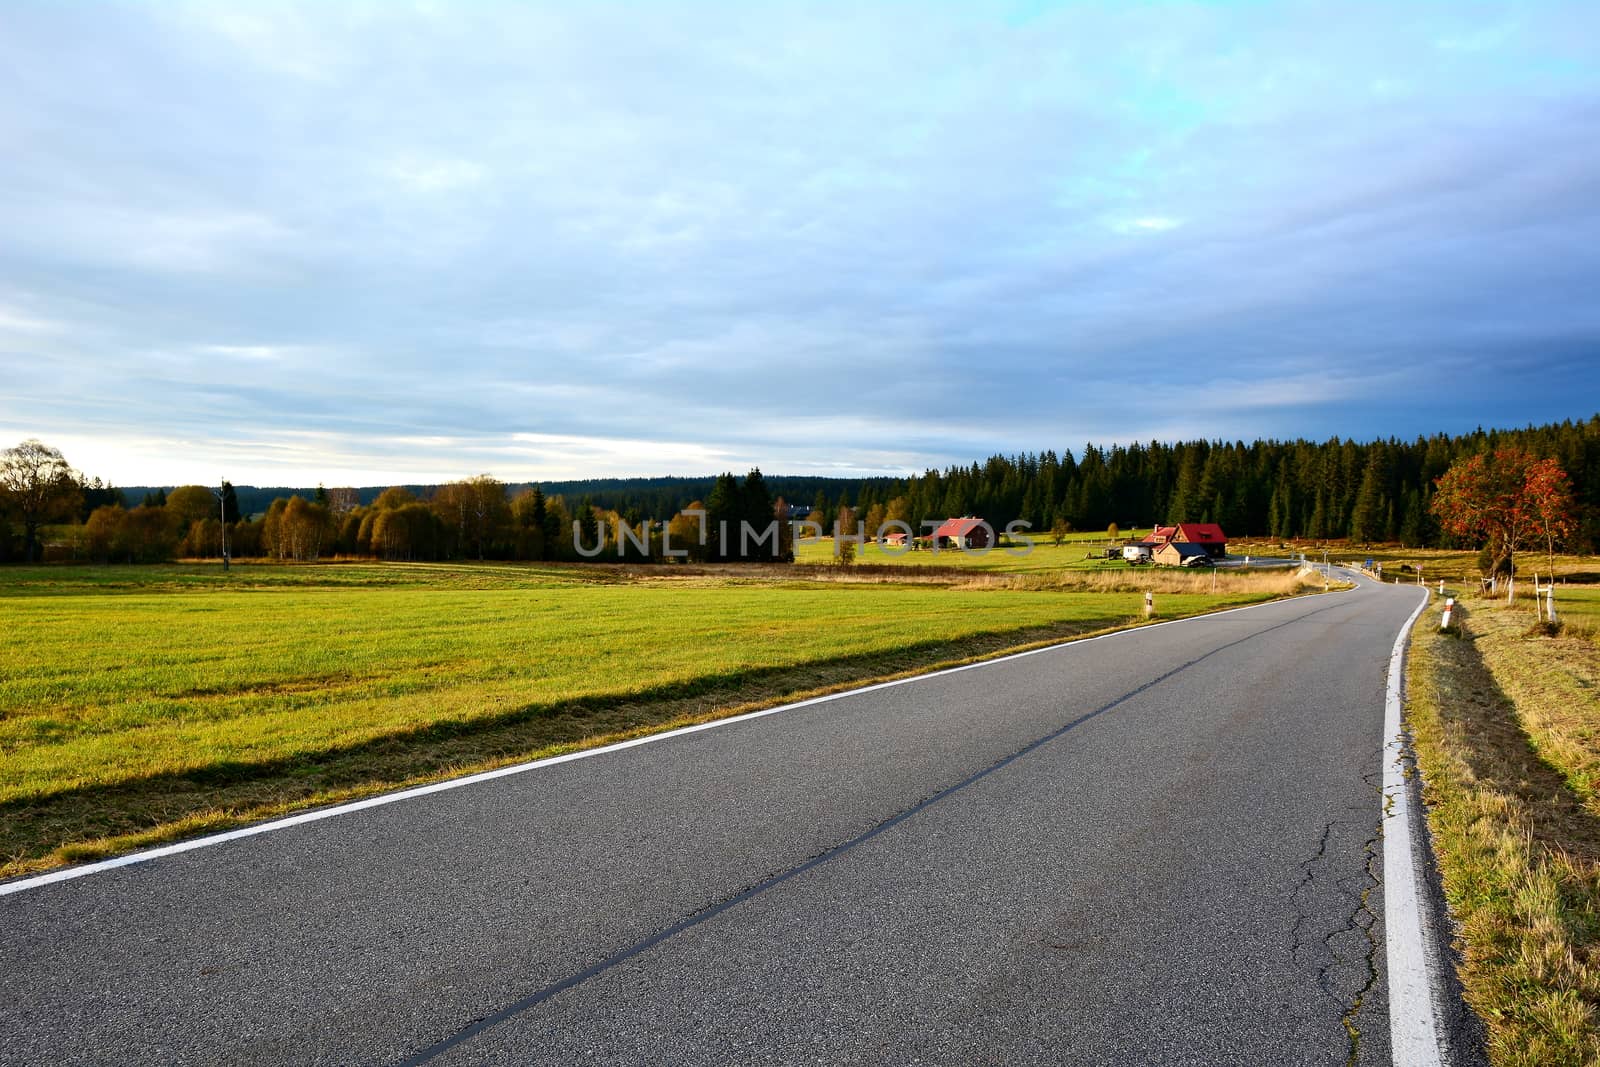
{"x":1368,"y":518}
{"x":1413,"y":520}
{"x":819,"y":510}
{"x":1185,"y":504}
{"x":756,"y":510}
{"x":724,"y":509}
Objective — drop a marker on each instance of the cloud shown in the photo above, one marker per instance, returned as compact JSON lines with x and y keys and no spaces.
{"x":539,"y":238}
{"x":1148,"y":224}
{"x":17,"y":322}
{"x":277,"y":354}
{"x":437,"y":175}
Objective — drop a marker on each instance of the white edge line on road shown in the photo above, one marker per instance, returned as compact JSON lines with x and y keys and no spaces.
{"x":1413,"y":1022}
{"x":67,"y":873}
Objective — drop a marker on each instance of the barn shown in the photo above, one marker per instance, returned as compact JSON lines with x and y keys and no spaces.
{"x":965,"y":532}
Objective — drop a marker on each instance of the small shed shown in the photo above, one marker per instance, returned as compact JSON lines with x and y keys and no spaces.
{"x":1182,"y":554}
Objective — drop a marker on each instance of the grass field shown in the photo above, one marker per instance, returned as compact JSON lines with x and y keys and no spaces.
{"x":1506,"y":721}
{"x":141,"y":703}
{"x":1576,"y":605}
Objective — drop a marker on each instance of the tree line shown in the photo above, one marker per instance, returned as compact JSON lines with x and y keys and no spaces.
{"x":1379,"y":491}
{"x":1376,"y":491}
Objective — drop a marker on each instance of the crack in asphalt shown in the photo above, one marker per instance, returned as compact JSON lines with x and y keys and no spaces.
{"x":1370,"y":917}
{"x":533,"y":1000}
{"x":1345,"y":977}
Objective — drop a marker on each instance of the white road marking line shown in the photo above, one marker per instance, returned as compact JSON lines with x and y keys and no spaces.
{"x":1413,"y":1022}
{"x":68,"y":873}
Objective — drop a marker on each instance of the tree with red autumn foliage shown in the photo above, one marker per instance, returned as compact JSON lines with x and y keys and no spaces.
{"x":1507,"y":499}
{"x":1550,"y":494}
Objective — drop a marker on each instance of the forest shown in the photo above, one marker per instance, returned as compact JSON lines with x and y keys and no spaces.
{"x":1369,"y":492}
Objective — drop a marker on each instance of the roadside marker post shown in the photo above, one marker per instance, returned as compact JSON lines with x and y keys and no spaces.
{"x":1449,"y":607}
{"x":1547,"y":593}
{"x":1149,"y":604}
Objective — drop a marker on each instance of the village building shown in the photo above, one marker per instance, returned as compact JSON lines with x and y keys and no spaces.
{"x":965,"y":532}
{"x":1182,"y":554}
{"x":1208,"y":534}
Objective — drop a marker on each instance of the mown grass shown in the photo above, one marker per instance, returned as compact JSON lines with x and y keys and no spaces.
{"x":1507,"y":732}
{"x":1578,"y":606}
{"x":138,"y":704}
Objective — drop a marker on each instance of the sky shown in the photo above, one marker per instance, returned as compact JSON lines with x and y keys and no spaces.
{"x":386,"y":242}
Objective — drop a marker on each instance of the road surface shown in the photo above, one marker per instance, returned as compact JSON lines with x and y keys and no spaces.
{"x":1159,"y":847}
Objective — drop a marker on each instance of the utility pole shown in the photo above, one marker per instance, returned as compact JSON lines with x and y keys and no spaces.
{"x":222,"y":506}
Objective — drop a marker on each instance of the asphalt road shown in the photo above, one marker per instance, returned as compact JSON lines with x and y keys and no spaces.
{"x":1160,"y":848}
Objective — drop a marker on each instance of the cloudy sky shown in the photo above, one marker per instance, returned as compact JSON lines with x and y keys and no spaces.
{"x":386,"y":242}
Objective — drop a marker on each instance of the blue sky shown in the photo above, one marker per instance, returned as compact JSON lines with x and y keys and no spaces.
{"x":386,"y":242}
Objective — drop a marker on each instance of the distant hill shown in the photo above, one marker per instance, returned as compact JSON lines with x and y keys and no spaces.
{"x":652,"y":496}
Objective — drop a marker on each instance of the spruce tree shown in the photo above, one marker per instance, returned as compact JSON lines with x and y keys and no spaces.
{"x":756,"y":510}
{"x":1368,"y":517}
{"x":819,"y":510}
{"x":1184,"y":505}
{"x":724,"y":509}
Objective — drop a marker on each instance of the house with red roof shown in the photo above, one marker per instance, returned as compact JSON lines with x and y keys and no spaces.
{"x":965,"y":532}
{"x":1208,"y":534}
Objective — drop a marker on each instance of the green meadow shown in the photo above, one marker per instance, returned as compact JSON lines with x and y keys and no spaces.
{"x":143,"y":703}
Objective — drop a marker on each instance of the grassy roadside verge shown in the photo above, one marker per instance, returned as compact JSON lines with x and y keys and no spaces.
{"x":1507,"y":733}
{"x":172,"y":707}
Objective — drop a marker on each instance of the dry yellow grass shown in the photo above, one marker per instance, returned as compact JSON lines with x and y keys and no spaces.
{"x":1504,"y":729}
{"x":1280,"y":582}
